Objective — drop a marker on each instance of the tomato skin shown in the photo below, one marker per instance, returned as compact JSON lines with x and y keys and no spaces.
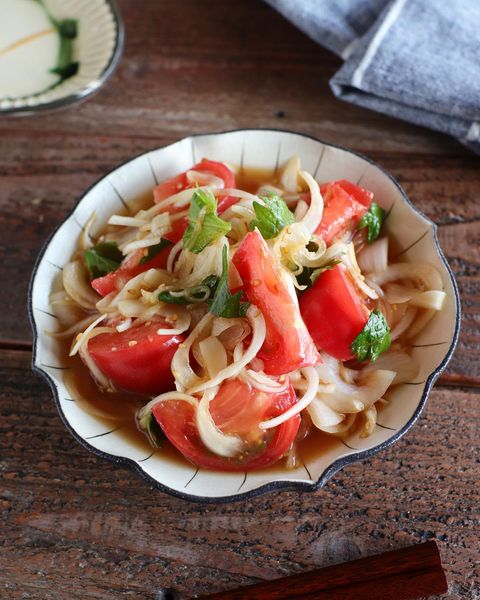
{"x":334,"y":313}
{"x":132,"y":266}
{"x":345,"y":205}
{"x":360,"y":194}
{"x":180,"y":182}
{"x":106,"y":284}
{"x":288,"y":344}
{"x":171,"y":186}
{"x":143,"y":367}
{"x":229,"y":408}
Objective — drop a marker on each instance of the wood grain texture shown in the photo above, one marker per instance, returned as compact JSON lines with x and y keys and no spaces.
{"x":208,"y":67}
{"x":74,"y":526}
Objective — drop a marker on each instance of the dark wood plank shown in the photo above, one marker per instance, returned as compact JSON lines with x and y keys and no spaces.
{"x":76,"y":526}
{"x":209,"y":67}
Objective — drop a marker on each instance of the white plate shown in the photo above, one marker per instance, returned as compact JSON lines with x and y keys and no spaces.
{"x":29,"y":48}
{"x":416,"y":234}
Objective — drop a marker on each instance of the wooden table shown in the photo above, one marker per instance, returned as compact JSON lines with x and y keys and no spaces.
{"x":75,"y":526}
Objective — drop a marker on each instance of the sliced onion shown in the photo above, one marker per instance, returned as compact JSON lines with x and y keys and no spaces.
{"x":230,"y":331}
{"x":159,"y":225}
{"x":291,"y":248}
{"x":133,"y":288}
{"x":352,"y":397}
{"x":221,"y":324}
{"x":214,"y":355}
{"x":432,"y":299}
{"x":350,"y":261}
{"x":245,"y":212}
{"x":191,"y":269}
{"x":124,"y":325}
{"x":257,"y":323}
{"x":77,"y":286}
{"x":67,"y":311}
{"x":165,"y":398}
{"x":313,"y":216}
{"x":395,"y":360}
{"x":263,"y":382}
{"x":81,"y":337}
{"x":374,"y":257}
{"x":301,"y":210}
{"x":342,"y":428}
{"x":73,"y":329}
{"x":104,"y":305}
{"x":126,"y":221}
{"x":152,"y":240}
{"x":404,"y":323}
{"x":208,"y":179}
{"x":324,"y":388}
{"x":311,"y":376}
{"x":370,"y":421}
{"x":181,"y":199}
{"x":398,"y":294}
{"x":289,"y":175}
{"x":295,"y":376}
{"x":212,"y":437}
{"x":149,"y":213}
{"x":184,"y":375}
{"x":178,"y":317}
{"x":131,"y":308}
{"x":423,"y":273}
{"x":85,"y":238}
{"x":361,"y":395}
{"x":322,"y":415}
{"x":420,"y":323}
{"x":102,"y":380}
{"x":236,"y":193}
{"x":173,"y":255}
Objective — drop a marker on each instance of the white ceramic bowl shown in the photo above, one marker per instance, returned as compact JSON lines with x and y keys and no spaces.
{"x":416,"y":234}
{"x":97,"y":49}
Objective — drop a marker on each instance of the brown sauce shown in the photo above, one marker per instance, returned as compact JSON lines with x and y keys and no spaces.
{"x":118,"y":409}
{"x":250,"y":179}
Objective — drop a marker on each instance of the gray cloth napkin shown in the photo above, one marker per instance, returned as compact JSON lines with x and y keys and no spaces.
{"x":418,"y":60}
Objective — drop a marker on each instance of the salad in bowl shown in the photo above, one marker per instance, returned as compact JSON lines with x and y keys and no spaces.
{"x":250,"y":323}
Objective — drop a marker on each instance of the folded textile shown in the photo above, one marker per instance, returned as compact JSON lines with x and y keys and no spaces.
{"x":418,"y":60}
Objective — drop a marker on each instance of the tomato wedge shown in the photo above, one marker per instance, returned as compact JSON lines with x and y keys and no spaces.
{"x":360,"y":194}
{"x":288,"y":344}
{"x":334,"y":312}
{"x":133,"y":266}
{"x":138,"y":359}
{"x":237,"y":409}
{"x":180,"y":182}
{"x":345,"y":205}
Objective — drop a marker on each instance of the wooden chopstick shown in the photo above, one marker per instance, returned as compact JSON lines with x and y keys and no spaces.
{"x":413,"y":572}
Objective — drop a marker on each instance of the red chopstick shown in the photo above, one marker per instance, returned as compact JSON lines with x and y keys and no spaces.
{"x":413,"y":572}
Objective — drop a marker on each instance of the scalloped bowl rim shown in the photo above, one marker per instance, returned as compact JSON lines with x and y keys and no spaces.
{"x":274,"y":484}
